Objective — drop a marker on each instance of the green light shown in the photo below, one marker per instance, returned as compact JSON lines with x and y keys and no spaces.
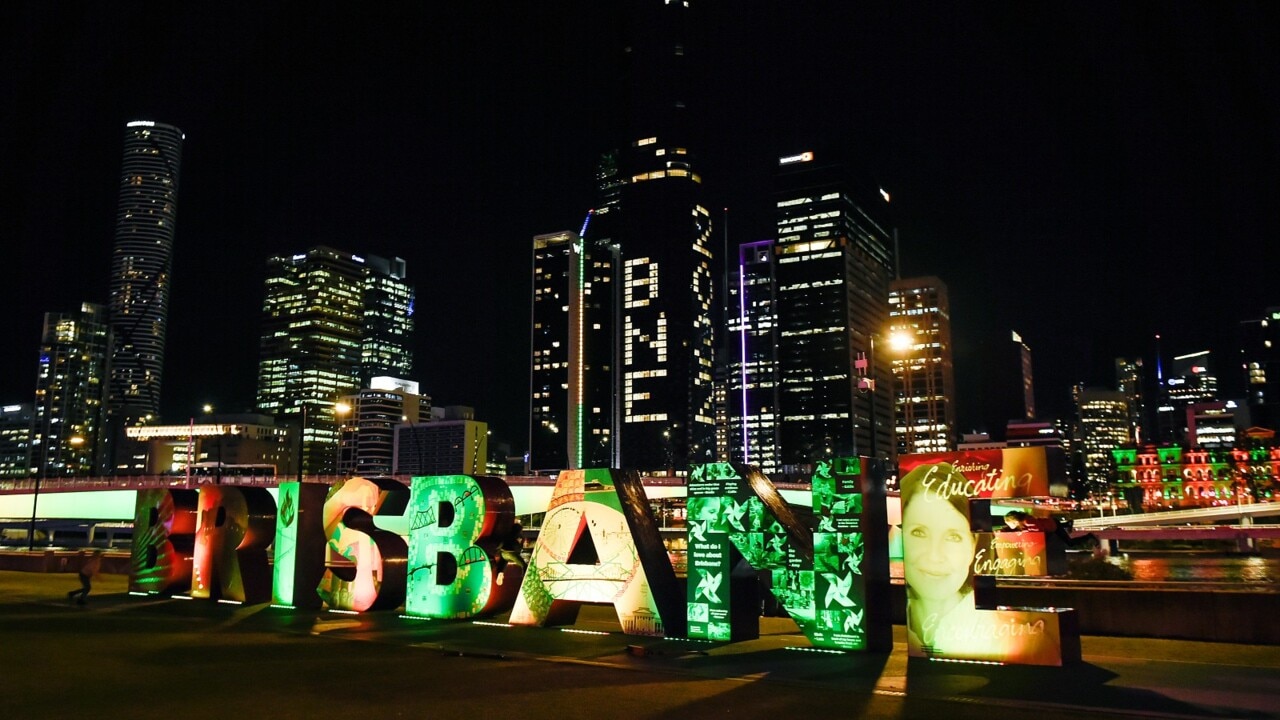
{"x":577,"y":449}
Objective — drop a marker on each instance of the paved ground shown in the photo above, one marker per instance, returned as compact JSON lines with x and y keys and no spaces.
{"x":124,"y":656}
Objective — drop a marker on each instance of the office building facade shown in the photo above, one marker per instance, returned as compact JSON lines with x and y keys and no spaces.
{"x":572,"y":381}
{"x":15,"y":440}
{"x":651,"y":209}
{"x":1105,"y":423}
{"x":332,"y":320}
{"x":1216,"y":424}
{"x":71,"y":393}
{"x":1190,"y":380}
{"x":667,"y":350}
{"x":833,"y":269}
{"x":368,"y":421}
{"x":751,"y":377}
{"x":236,"y":442}
{"x":1260,"y":353}
{"x":923,"y":372}
{"x":452,"y":442}
{"x":1130,"y":380}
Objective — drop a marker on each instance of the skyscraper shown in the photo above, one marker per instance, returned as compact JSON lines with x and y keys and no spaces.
{"x":571,"y":376}
{"x":651,"y":210}
{"x":1130,"y":381}
{"x":1190,"y":380}
{"x":71,"y":393}
{"x":388,"y":319}
{"x":141,"y":269}
{"x":331,"y":321}
{"x":15,"y":440}
{"x":1009,"y":388}
{"x":752,"y":370}
{"x":649,"y":240}
{"x":141,"y":266}
{"x":923,"y":373}
{"x":833,"y":268}
{"x":1260,"y":353}
{"x":1105,"y":424}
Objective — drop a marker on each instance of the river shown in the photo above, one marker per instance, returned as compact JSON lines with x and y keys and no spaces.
{"x":1190,"y":566}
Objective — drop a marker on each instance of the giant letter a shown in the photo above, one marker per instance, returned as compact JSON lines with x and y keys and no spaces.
{"x":600,"y":544}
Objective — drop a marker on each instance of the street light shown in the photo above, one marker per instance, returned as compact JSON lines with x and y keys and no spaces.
{"x":208,"y":410}
{"x":74,"y":441}
{"x":302,"y":429}
{"x":903,"y":342}
{"x":340,"y":411}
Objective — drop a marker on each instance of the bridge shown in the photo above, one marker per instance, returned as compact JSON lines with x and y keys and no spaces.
{"x":1244,"y":514}
{"x":89,"y":509}
{"x":1232,"y":523}
{"x":103,"y":502}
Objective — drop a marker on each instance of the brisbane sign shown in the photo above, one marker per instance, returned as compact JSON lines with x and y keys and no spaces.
{"x":317,"y":546}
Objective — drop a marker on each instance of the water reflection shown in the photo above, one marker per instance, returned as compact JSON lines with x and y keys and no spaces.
{"x":1249,"y":570}
{"x":1245,"y":569}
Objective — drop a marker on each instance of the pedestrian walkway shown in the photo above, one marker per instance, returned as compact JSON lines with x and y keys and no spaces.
{"x":266,"y":646}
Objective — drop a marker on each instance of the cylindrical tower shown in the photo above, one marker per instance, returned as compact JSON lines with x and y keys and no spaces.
{"x":141,"y":265}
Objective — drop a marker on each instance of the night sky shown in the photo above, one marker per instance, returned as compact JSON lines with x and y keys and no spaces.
{"x":1088,"y":174}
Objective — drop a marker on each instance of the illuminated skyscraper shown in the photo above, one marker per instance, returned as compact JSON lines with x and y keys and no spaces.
{"x":71,"y":393}
{"x":919,"y":347}
{"x":652,"y":192}
{"x":571,"y":376}
{"x":752,"y":373}
{"x":141,"y":266}
{"x":141,"y":282}
{"x":1190,"y":380}
{"x":833,"y":269}
{"x":1130,"y":381}
{"x":331,"y":322}
{"x":1260,"y":353}
{"x":667,"y":343}
{"x":1104,"y":425}
{"x":15,"y":440}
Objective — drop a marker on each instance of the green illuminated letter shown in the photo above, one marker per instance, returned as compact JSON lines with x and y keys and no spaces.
{"x":457,"y":525}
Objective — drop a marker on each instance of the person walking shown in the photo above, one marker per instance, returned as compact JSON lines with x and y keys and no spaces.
{"x":89,"y":569}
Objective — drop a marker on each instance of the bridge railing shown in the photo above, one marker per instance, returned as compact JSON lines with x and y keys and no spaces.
{"x":1180,"y":517}
{"x":139,"y":482}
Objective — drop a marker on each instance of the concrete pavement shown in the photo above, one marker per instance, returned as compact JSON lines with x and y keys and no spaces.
{"x":159,"y":657}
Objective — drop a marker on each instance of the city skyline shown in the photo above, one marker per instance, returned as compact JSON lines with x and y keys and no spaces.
{"x":1086,"y":179}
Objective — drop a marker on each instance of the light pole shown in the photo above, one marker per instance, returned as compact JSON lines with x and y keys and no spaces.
{"x":340,"y":411}
{"x":865,"y":365}
{"x":902,"y":343}
{"x":208,"y":411}
{"x":75,"y":441}
{"x":302,"y":430}
{"x":35,"y":495}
